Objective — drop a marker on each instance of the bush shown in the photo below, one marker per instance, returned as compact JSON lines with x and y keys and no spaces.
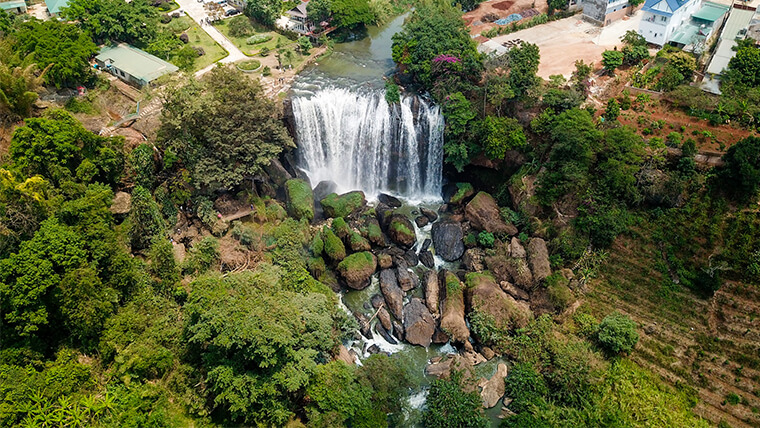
{"x":449,"y":406}
{"x":742,"y":169}
{"x":266,"y":71}
{"x":617,"y":333}
{"x":249,"y":65}
{"x":263,"y":53}
{"x":486,"y":239}
{"x":202,"y":256}
{"x":258,"y":38}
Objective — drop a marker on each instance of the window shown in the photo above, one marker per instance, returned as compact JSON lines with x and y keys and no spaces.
{"x":663,"y":19}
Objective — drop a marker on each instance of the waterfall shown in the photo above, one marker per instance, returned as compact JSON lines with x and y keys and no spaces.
{"x":360,"y":142}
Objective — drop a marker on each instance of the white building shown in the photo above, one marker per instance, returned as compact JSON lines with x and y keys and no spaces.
{"x":662,"y":18}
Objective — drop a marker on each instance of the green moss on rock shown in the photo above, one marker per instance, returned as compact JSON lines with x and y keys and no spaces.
{"x":358,"y":243}
{"x":335,"y":205}
{"x":401,"y":231}
{"x":464,"y":191}
{"x":357,"y":268}
{"x":317,"y":245}
{"x":334,"y":247}
{"x":300,"y":199}
{"x":275,"y":212}
{"x":340,"y":227}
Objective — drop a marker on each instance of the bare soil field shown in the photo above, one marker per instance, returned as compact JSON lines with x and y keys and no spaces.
{"x":565,"y":41}
{"x":501,"y":8}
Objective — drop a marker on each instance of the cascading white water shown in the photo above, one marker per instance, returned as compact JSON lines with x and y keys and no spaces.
{"x":360,"y":142}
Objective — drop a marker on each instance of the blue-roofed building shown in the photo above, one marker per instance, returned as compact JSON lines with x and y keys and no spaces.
{"x":662,"y":18}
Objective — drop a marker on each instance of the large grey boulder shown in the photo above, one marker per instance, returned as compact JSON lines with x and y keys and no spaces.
{"x":447,"y":240}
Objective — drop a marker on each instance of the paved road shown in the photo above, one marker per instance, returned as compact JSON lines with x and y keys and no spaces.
{"x":197,"y":12}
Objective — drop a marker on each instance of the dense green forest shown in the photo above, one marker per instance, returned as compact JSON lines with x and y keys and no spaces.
{"x":105,"y":322}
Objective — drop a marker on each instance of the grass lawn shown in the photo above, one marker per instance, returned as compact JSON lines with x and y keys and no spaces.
{"x":252,"y":50}
{"x":197,"y":37}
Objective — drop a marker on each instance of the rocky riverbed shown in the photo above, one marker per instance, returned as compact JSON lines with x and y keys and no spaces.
{"x":420,"y":275}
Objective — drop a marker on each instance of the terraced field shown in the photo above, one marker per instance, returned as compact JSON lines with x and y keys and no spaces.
{"x":710,"y":346}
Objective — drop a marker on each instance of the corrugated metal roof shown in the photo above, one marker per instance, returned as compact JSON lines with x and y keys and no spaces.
{"x":12,"y":4}
{"x":136,"y":62}
{"x":738,"y":20}
{"x":55,"y":6}
{"x":710,"y":12}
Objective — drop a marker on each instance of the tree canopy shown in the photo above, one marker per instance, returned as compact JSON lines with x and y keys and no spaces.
{"x":223,"y":129}
{"x":134,"y":22}
{"x":63,"y":47}
{"x":57,"y":147}
{"x":434,"y":34}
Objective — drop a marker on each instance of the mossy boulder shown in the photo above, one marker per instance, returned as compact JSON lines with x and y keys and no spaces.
{"x":452,"y":318}
{"x":333,"y":246}
{"x":371,"y":230}
{"x":401,"y":231}
{"x":357,"y":268}
{"x":483,"y":214}
{"x":357,"y":242}
{"x":335,"y":205}
{"x":464,"y":192}
{"x":300,"y":199}
{"x":340,"y":227}
{"x":275,"y":212}
{"x":317,"y":245}
{"x":493,"y":305}
{"x":316,"y":266}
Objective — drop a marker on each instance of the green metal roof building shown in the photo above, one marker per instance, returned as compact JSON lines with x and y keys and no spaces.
{"x":13,"y":6}
{"x":54,"y":6}
{"x":695,"y":34}
{"x":133,"y":65}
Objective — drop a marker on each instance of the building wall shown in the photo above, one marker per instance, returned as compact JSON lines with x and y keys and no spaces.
{"x":595,"y":10}
{"x":617,"y":14}
{"x":121,"y":74}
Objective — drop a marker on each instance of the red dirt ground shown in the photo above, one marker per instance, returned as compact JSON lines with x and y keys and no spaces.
{"x":503,"y":8}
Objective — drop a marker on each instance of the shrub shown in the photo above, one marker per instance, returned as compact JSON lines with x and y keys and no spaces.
{"x":258,"y":38}
{"x":266,"y":71}
{"x":486,"y":239}
{"x":203,"y":255}
{"x":249,"y":65}
{"x":742,"y":167}
{"x":449,"y":406}
{"x":264,"y":52}
{"x":617,"y":333}
{"x":240,"y":26}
